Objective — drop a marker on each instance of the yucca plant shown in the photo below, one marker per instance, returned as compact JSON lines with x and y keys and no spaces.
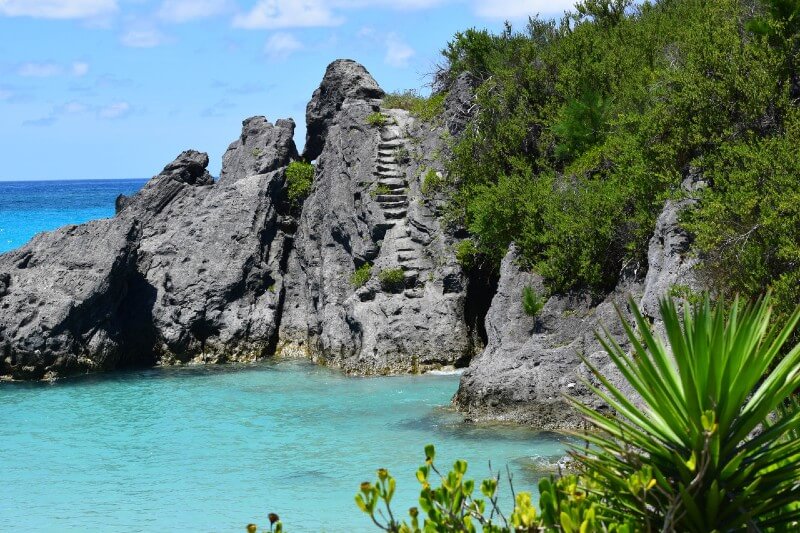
{"x":709,"y":445}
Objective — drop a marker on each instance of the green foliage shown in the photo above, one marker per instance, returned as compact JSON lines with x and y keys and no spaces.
{"x":697,"y":455}
{"x":532,"y":303}
{"x":361,"y":276}
{"x":466,"y":254}
{"x":376,"y":119}
{"x":449,"y":502}
{"x":748,"y":228}
{"x":424,"y":108}
{"x":432,"y":181}
{"x":380,"y":189}
{"x":586,"y":126}
{"x":392,"y":278}
{"x":299,"y":178}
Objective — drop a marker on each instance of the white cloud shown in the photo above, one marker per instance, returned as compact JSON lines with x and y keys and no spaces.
{"x":142,"y":38}
{"x":276,"y":14}
{"x":58,"y":9}
{"x":186,"y":10}
{"x":515,"y":9}
{"x":73,"y":108}
{"x":114,"y":111}
{"x":282,"y":45}
{"x":80,"y":69}
{"x":398,"y":52}
{"x":39,"y":70}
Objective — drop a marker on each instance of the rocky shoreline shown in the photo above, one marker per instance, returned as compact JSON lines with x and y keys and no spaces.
{"x":196,"y":270}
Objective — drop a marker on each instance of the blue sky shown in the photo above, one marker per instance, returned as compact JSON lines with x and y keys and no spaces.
{"x":114,"y":89}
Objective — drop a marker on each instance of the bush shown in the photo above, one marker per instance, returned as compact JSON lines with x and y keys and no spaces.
{"x":376,"y":119}
{"x":466,"y":254}
{"x":532,"y":303}
{"x":432,"y":181}
{"x":392,"y":278}
{"x":299,"y":178}
{"x":361,"y":276}
{"x":425,"y":109}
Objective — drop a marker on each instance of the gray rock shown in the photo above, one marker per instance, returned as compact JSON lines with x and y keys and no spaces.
{"x":366,"y":207}
{"x":187,"y":270}
{"x":530,"y":367}
{"x":460,"y":105}
{"x":344,"y":79}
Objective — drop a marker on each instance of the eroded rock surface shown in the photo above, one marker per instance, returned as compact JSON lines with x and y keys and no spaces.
{"x":188,"y":268}
{"x":530,"y":365}
{"x":367,"y":207}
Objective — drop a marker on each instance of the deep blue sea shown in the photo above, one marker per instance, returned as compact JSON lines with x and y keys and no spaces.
{"x":211,"y":449}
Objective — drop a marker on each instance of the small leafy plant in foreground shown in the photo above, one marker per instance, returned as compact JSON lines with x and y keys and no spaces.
{"x":392,"y":278}
{"x":376,"y":119}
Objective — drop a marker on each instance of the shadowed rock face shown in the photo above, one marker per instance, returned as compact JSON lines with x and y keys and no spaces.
{"x":188,"y":268}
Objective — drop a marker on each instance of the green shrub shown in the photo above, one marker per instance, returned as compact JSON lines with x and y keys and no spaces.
{"x":466,"y":253}
{"x":426,"y":109}
{"x":456,"y":506}
{"x":380,"y":189}
{"x":532,"y":303}
{"x":701,"y":445}
{"x":376,"y":119}
{"x":299,"y":178}
{"x":432,"y":181}
{"x":361,"y":276}
{"x":392,"y":278}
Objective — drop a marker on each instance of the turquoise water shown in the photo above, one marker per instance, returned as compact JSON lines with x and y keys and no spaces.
{"x":213,"y":448}
{"x":28,"y":207}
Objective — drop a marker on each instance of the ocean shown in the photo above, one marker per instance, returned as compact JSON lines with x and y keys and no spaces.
{"x":215,"y":448}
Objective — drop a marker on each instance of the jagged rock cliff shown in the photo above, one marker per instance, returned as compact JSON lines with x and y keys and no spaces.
{"x":187,"y":269}
{"x":191,"y":269}
{"x":530,"y":365}
{"x":367,"y":207}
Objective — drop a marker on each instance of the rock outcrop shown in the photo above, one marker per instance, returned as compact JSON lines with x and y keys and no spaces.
{"x":530,"y":365}
{"x":187,"y":269}
{"x":367,"y":208}
{"x":196,"y":270}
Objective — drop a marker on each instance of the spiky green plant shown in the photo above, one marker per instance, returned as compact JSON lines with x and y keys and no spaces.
{"x":700,"y":433}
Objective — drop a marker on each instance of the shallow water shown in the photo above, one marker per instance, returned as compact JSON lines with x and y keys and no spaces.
{"x":213,"y":448}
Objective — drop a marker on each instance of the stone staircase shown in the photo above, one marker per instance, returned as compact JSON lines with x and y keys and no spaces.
{"x":390,"y":171}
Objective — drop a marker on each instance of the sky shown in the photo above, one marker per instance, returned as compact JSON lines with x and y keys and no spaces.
{"x":115,"y":89}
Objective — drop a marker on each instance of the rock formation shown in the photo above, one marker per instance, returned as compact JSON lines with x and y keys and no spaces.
{"x":530,"y":365}
{"x":196,"y":270}
{"x":367,"y":208}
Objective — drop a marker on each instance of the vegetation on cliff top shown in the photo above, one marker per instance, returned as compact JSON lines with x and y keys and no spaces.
{"x":585,"y":126}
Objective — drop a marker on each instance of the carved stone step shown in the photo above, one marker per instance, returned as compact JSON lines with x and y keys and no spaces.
{"x":390,"y":133}
{"x":387,"y":153}
{"x":411,"y":275}
{"x":393,"y":205}
{"x":387,"y":167}
{"x":399,"y":197}
{"x":392,"y":183}
{"x":414,"y":293}
{"x":390,"y":145}
{"x":406,"y":257}
{"x":390,"y":174}
{"x":387,"y":160}
{"x":395,"y":213}
{"x":386,"y":226}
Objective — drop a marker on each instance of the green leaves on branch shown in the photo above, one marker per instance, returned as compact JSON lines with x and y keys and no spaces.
{"x":699,"y":453}
{"x":532,"y":303}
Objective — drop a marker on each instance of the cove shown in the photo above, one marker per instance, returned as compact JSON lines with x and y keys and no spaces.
{"x":213,"y":448}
